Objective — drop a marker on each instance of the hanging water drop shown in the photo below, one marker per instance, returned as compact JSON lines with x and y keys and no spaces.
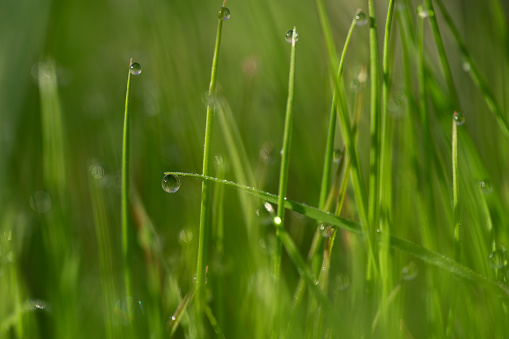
{"x":135,"y":68}
{"x":409,"y":272}
{"x":459,"y":119}
{"x":325,"y":230}
{"x":497,"y":259}
{"x":171,"y":183}
{"x":223,"y":14}
{"x":361,"y":19}
{"x":292,"y":33}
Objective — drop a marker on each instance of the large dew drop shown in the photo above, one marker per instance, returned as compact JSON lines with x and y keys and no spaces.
{"x":361,"y":19}
{"x":289,"y":35}
{"x":135,"y":68}
{"x":171,"y":183}
{"x":223,"y":13}
{"x":497,"y":259}
{"x":459,"y":119}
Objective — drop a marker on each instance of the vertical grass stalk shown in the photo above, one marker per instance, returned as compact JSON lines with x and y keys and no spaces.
{"x":285,"y":159}
{"x":125,"y":193}
{"x":206,"y":186}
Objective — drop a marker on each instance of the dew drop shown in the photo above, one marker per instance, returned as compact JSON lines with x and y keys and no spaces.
{"x":277,"y":220}
{"x":171,"y":183}
{"x":96,"y":171}
{"x":409,"y":272}
{"x":135,"y":68}
{"x":486,"y":186}
{"x":291,"y":33}
{"x":40,"y":202}
{"x":173,"y":318}
{"x":223,"y":13}
{"x":316,"y":282}
{"x":325,"y":230}
{"x":354,"y":85}
{"x":497,"y":259}
{"x":361,"y":19}
{"x":422,"y":11}
{"x":466,"y":66}
{"x":459,"y":118}
{"x":337,"y":155}
{"x":185,"y":236}
{"x":343,"y":282}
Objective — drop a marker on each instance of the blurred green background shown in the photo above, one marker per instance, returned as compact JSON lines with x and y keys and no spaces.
{"x":64,"y":139}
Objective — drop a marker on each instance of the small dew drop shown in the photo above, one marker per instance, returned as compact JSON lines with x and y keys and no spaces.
{"x":361,"y":19}
{"x":171,"y":183}
{"x":409,"y":272}
{"x":40,"y":202}
{"x":316,"y":282}
{"x":459,"y":119}
{"x":337,"y":155}
{"x":96,"y":171}
{"x":466,"y":66}
{"x":497,"y":259}
{"x":343,"y":282}
{"x":423,"y":11}
{"x":486,"y":186}
{"x":291,"y":33}
{"x":354,"y":85}
{"x":223,"y":13}
{"x":277,"y":220}
{"x":135,"y":68}
{"x":173,"y":318}
{"x":325,"y":230}
{"x":185,"y":236}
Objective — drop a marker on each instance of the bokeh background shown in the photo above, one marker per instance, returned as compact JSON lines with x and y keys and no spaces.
{"x":63,"y":72}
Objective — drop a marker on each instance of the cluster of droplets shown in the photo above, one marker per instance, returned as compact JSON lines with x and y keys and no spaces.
{"x":170,"y":183}
{"x":135,"y":68}
{"x":223,"y":14}
{"x":291,"y":33}
{"x":361,"y":19}
{"x":459,"y":119}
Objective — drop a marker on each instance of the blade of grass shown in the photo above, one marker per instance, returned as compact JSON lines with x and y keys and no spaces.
{"x":486,"y":92}
{"x":126,"y":241}
{"x":411,"y":248}
{"x":206,"y":189}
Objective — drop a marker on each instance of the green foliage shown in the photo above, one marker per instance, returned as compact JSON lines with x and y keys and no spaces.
{"x":92,"y":246}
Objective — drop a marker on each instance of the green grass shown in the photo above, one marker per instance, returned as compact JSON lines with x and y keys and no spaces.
{"x":400,"y":235}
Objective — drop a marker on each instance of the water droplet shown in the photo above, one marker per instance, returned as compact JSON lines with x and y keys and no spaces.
{"x":96,"y":171}
{"x":173,"y":318}
{"x":354,"y":85}
{"x":422,"y":11}
{"x":459,"y":118}
{"x":135,"y":68}
{"x":409,"y":272}
{"x":343,"y":282}
{"x":361,"y":19}
{"x":40,"y":202}
{"x":497,"y":259}
{"x":218,"y":160}
{"x":466,"y":66}
{"x":325,"y":230}
{"x":171,"y":183}
{"x":337,"y":155}
{"x":291,"y":33}
{"x":486,"y":186}
{"x":277,"y":221}
{"x":185,"y":236}
{"x":223,"y":13}
{"x":125,"y":307}
{"x":38,"y":304}
{"x":316,"y":282}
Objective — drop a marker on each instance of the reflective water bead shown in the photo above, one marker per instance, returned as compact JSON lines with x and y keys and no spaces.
{"x":409,"y":272}
{"x":361,"y":19}
{"x":223,"y":13}
{"x":337,"y":155}
{"x":343,"y":282}
{"x":171,"y":183}
{"x":325,"y":230}
{"x":135,"y":68}
{"x":497,"y":259}
{"x":459,"y":118}
{"x":40,"y":202}
{"x":422,"y":11}
{"x":486,"y":186}
{"x":289,"y":35}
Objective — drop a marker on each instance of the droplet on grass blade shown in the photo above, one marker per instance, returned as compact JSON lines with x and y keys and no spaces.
{"x":409,"y":272}
{"x":223,"y":13}
{"x":337,"y":155}
{"x":486,"y":186}
{"x":291,"y":33}
{"x":40,"y":202}
{"x":135,"y":68}
{"x":422,"y":11}
{"x":171,"y":183}
{"x":342,"y":282}
{"x":361,"y":19}
{"x":497,"y":259}
{"x":459,"y":118}
{"x":325,"y":230}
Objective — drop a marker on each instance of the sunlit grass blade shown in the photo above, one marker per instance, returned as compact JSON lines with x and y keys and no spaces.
{"x":174,"y":321}
{"x":206,"y":188}
{"x":411,"y":248}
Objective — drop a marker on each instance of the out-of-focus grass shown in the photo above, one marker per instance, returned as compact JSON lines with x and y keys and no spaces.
{"x":62,"y":89}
